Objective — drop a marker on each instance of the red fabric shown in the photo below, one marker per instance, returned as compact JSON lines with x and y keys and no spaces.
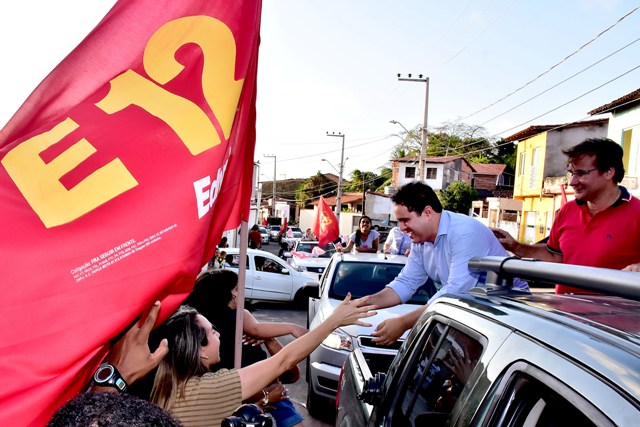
{"x":563,"y":200}
{"x":264,"y":222}
{"x":82,"y":257}
{"x":325,"y":225}
{"x":283,"y":229}
{"x":610,"y":239}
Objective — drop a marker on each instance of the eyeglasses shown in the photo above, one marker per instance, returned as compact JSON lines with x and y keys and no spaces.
{"x":580,"y":173}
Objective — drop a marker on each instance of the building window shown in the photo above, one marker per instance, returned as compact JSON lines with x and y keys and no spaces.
{"x":432,"y":173}
{"x":521,"y":164}
{"x":410,"y":172}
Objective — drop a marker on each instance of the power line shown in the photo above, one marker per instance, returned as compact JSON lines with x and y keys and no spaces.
{"x":563,"y":81}
{"x":555,"y":65}
{"x":481,"y":32}
{"x":569,"y":102}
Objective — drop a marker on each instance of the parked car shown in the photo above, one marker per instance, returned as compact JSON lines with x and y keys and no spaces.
{"x":301,"y":258}
{"x":361,"y":274}
{"x":264,"y":235}
{"x":268,"y":278}
{"x":503,"y":357}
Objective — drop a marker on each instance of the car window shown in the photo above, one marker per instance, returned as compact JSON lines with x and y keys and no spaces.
{"x":305,"y":247}
{"x":528,"y":401}
{"x":270,"y":265}
{"x":438,"y":377}
{"x":236,"y":261}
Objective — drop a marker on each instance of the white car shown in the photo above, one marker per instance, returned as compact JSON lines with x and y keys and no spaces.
{"x":303,"y":258}
{"x":268,"y":278}
{"x":361,"y":274}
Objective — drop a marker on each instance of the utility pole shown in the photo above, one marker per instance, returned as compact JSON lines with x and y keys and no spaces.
{"x":273,"y":201}
{"x":423,"y":145}
{"x":339,"y":196}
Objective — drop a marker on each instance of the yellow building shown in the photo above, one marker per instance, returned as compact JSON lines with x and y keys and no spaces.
{"x":541,"y":171}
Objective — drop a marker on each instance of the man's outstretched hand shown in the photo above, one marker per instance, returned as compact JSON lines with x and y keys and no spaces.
{"x":131,"y":354}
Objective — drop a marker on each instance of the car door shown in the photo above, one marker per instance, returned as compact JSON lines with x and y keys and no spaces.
{"x":249,"y":276}
{"x":272,"y":278}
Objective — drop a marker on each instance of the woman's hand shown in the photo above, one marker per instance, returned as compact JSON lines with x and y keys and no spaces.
{"x":349,"y":312}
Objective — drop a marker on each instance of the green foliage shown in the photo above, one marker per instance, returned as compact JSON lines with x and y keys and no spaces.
{"x":314,"y":187}
{"x":362,"y":181}
{"x":458,"y":196}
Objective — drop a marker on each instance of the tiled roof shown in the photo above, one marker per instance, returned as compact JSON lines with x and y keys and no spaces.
{"x":635,"y":95}
{"x":346,"y":198}
{"x":534,"y":130}
{"x":488,"y":169}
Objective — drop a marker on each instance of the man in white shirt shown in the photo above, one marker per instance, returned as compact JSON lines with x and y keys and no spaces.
{"x":397,"y":242}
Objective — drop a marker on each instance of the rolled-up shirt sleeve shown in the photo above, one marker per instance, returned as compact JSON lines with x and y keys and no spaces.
{"x":412,"y":276}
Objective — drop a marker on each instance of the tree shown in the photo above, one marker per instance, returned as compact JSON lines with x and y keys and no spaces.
{"x":362,"y":181}
{"x":314,"y":187}
{"x":458,"y":196}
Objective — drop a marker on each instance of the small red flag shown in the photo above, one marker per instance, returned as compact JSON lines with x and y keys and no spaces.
{"x":283,"y":229}
{"x":563,"y":201}
{"x":325,"y":225}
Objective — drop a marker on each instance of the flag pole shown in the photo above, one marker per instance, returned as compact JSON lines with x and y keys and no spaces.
{"x":242,"y":272}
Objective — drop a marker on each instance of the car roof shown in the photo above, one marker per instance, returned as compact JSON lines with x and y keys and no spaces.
{"x":601,"y":333}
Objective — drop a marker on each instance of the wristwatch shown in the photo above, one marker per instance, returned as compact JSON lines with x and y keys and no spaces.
{"x":108,"y":376}
{"x":265,"y":399}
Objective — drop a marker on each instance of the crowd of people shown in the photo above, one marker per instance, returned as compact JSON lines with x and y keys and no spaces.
{"x":195,"y":380}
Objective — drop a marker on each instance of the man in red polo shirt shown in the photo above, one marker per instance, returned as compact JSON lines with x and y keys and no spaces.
{"x":601,"y":227}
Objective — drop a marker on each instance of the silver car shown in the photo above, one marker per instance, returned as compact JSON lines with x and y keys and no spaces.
{"x":360,"y":274}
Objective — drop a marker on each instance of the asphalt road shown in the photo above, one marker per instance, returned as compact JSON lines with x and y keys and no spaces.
{"x":289,"y":313}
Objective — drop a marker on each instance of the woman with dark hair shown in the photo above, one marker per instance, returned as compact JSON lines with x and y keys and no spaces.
{"x":364,"y":239}
{"x":223,"y":243}
{"x":214,"y":296}
{"x":185,"y":385}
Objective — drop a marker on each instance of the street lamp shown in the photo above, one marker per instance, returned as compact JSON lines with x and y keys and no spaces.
{"x":339,"y":196}
{"x":273,"y":202}
{"x":423,"y":145}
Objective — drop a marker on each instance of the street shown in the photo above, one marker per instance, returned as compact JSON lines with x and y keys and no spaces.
{"x":298,"y":391}
{"x":275,"y":312}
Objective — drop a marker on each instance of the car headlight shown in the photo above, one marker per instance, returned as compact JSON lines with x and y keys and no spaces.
{"x":338,"y":340}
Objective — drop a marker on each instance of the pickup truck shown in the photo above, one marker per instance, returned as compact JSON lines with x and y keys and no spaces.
{"x":500,"y":356}
{"x":269,"y":278}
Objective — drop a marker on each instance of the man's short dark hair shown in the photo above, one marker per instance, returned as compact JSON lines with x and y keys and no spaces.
{"x":111,"y":410}
{"x":608,"y":154}
{"x":415,"y":196}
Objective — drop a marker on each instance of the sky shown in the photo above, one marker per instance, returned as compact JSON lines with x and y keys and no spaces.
{"x":332,"y":66}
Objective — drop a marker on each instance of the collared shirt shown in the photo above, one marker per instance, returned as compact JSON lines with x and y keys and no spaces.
{"x":608,"y":239}
{"x":398,"y":241}
{"x":445,"y":261}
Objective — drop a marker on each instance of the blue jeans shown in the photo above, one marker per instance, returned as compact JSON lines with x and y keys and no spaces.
{"x":285,"y":413}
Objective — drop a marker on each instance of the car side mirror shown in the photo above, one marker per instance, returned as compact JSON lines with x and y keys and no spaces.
{"x":287,"y":254}
{"x":372,"y":389}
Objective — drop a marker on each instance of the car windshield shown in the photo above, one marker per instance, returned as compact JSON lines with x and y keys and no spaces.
{"x":263,"y":230}
{"x":366,"y":278}
{"x":328,"y":249}
{"x":275,"y":228}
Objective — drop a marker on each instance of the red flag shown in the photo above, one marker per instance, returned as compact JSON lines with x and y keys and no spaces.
{"x":283,"y":229}
{"x":563,"y":200}
{"x":325,"y":225}
{"x":114,"y":175}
